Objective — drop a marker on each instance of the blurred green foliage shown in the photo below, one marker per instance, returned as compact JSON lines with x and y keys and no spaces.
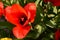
{"x":46,"y":22}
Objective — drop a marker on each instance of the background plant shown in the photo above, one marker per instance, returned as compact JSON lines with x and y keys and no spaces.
{"x":46,"y":23}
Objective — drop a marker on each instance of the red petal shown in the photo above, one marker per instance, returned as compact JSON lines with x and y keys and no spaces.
{"x":46,"y":1}
{"x":13,"y":13}
{"x":1,"y":5}
{"x":16,"y":8}
{"x":11,"y":18}
{"x":56,"y":3}
{"x":1,"y":8}
{"x":21,"y":32}
{"x":57,"y":35}
{"x":31,"y":10}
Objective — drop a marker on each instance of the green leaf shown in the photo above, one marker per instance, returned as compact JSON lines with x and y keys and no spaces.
{"x":21,"y":2}
{"x":6,"y":25}
{"x":28,"y":1}
{"x":49,"y":36}
{"x":4,"y":33}
{"x":35,"y":33}
{"x":51,"y":24}
{"x":38,"y":15}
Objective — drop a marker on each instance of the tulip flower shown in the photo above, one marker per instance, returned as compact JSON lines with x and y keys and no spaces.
{"x":20,"y":17}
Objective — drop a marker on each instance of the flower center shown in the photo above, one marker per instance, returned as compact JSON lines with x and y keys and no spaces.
{"x":23,"y":19}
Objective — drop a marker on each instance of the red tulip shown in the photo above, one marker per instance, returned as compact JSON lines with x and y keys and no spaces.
{"x":57,"y":34}
{"x":15,"y":14}
{"x":20,"y":17}
{"x":21,"y":32}
{"x":1,"y":9}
